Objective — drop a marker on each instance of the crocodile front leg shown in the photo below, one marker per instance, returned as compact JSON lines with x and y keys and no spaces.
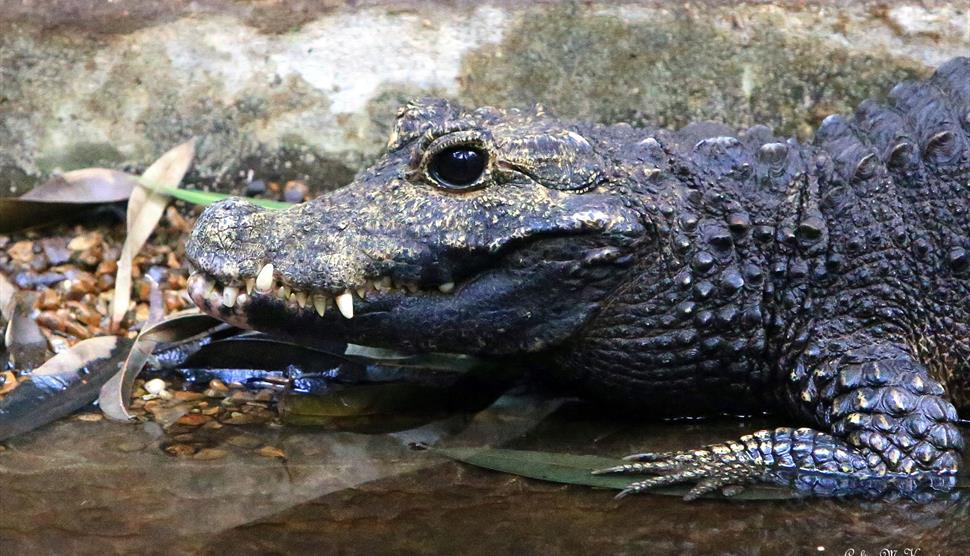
{"x":878,"y":413}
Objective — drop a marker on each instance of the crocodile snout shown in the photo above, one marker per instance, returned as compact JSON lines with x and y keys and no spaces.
{"x":230,"y":239}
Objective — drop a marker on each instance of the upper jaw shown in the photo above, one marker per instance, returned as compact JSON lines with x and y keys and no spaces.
{"x":231,"y":298}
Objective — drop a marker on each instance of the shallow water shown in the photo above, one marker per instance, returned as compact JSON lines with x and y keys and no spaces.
{"x":94,"y":487}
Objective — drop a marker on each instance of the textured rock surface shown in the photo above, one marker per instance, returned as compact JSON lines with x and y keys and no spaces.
{"x":299,"y":89}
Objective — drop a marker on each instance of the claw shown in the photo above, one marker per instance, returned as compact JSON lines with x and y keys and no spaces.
{"x":700,"y":489}
{"x":624,"y":493}
{"x":606,"y":470}
{"x":646,"y":456}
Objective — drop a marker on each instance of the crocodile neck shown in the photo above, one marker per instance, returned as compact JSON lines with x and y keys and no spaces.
{"x":723,"y":310}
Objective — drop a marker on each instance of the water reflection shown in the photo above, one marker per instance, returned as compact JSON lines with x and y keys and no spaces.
{"x":90,"y":488}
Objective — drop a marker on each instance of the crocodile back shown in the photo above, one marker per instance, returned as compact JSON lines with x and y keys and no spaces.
{"x":768,"y":241}
{"x":894,"y":186}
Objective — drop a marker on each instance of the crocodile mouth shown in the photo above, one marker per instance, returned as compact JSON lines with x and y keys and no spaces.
{"x":231,"y":301}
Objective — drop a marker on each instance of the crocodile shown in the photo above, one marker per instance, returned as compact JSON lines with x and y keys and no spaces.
{"x":689,"y":272}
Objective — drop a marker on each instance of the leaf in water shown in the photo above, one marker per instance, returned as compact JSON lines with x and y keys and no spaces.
{"x":65,"y":383}
{"x":145,"y":208}
{"x":115,"y":395}
{"x":63,"y":196}
{"x":441,"y":361}
{"x":390,"y":396}
{"x":264,"y":353}
{"x":574,"y":469}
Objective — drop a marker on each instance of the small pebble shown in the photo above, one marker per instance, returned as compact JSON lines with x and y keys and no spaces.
{"x":295,"y":191}
{"x":210,"y":453}
{"x":132,"y":446}
{"x":187,"y":396}
{"x":271,"y":452}
{"x":243,"y":441}
{"x":193,"y":420}
{"x":237,"y":418}
{"x":155,"y":386}
{"x":218,"y":385}
{"x":7,"y":382}
{"x":180,"y":450}
{"x":90,"y":417}
{"x":256,"y":187}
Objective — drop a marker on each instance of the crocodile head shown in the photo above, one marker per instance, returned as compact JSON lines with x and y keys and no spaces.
{"x":486,"y":231}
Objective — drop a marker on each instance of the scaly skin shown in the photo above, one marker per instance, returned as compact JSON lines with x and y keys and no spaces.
{"x":688,"y":272}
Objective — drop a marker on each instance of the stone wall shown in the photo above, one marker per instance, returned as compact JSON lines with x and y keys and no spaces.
{"x":296,"y":89}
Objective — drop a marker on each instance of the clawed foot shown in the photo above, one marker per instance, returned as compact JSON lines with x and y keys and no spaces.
{"x":723,"y":466}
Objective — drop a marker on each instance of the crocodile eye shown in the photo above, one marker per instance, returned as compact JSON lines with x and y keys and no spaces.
{"x":458,"y":167}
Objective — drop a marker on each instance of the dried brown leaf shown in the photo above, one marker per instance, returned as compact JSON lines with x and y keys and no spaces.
{"x":145,"y":208}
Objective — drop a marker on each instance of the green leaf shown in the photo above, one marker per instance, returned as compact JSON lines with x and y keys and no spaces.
{"x":572,"y":469}
{"x":198,"y":197}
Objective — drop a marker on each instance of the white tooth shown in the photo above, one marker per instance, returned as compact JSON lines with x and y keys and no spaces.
{"x":283,"y":293}
{"x":301,"y":299}
{"x":383,"y":285}
{"x":361,"y":291}
{"x":264,"y":280}
{"x":345,"y":302}
{"x":447,"y":287}
{"x":250,"y":283}
{"x":210,"y":285}
{"x":241,"y":299}
{"x":320,"y":303}
{"x":229,"y":296}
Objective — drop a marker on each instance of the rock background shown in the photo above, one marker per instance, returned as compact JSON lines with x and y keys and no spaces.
{"x":298,"y":89}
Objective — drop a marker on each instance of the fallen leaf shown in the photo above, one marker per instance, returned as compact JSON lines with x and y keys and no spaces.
{"x":145,"y":208}
{"x":63,"y":384}
{"x":575,"y":469}
{"x":115,"y":395}
{"x":88,"y":185}
{"x":64,"y":196}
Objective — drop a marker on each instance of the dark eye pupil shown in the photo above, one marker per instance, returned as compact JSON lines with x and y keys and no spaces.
{"x":458,"y":166}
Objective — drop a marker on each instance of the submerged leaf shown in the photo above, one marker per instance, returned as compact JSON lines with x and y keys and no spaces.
{"x":65,"y":383}
{"x":575,"y":470}
{"x":145,"y":208}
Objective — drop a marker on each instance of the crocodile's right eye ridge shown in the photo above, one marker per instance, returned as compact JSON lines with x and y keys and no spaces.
{"x":459,"y":167}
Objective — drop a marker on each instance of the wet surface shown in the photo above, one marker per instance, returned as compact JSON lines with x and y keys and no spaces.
{"x":85,"y":487}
